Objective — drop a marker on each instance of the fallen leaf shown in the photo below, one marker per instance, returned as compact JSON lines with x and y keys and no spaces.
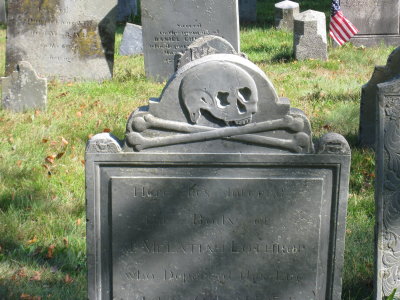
{"x":83,"y":162}
{"x":70,"y":84}
{"x":90,"y":136}
{"x":79,"y":114}
{"x":45,"y":140}
{"x":51,"y":158}
{"x":32,"y":241}
{"x":68,"y":279}
{"x":106,"y":130}
{"x":63,"y":94}
{"x":19,"y":163}
{"x":78,"y":222}
{"x":36,"y":277}
{"x":11,"y":140}
{"x":50,"y":251}
{"x":98,"y":123}
{"x":64,"y":141}
{"x":47,"y":167}
{"x":59,"y":155}
{"x":65,"y":240}
{"x":53,"y":143}
{"x":37,"y":112}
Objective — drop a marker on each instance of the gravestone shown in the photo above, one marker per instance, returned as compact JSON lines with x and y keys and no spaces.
{"x":309,"y":40}
{"x":132,"y":40}
{"x":248,"y":10}
{"x":284,"y":14}
{"x":3,"y":16}
{"x":216,"y":192}
{"x":203,"y":46}
{"x":62,"y":39}
{"x":387,"y":194}
{"x":376,"y":20}
{"x":23,"y":89}
{"x":126,"y":9}
{"x":170,"y":27}
{"x":369,"y":92}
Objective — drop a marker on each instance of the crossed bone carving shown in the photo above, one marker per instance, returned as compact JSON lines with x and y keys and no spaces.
{"x":198,"y":133}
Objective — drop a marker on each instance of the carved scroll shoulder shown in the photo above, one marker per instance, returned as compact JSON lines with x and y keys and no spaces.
{"x":103,"y":143}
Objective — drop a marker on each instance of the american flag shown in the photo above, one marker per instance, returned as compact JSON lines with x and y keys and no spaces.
{"x":340,"y":29}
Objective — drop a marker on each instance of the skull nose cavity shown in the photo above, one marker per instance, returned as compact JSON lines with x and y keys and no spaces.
{"x":245,"y":93}
{"x":222,"y":99}
{"x":241,"y":107}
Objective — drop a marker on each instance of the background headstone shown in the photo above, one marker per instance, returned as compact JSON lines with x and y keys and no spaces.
{"x":132,"y":40}
{"x":387,"y":194}
{"x":126,"y":9}
{"x":284,"y":14}
{"x":206,"y":45}
{"x":309,"y":40}
{"x":62,"y":39}
{"x":23,"y":89}
{"x":376,"y":20}
{"x":3,"y":16}
{"x":248,"y":10}
{"x":369,"y":92}
{"x":170,"y":27}
{"x":216,"y":193}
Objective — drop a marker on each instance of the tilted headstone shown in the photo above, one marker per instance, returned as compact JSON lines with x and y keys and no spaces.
{"x":387,"y":194}
{"x":69,"y":40}
{"x":132,"y":40}
{"x":216,"y":193}
{"x":309,"y":40}
{"x":169,"y":27}
{"x":284,"y":14}
{"x":126,"y":9}
{"x":376,"y":20}
{"x":203,"y":46}
{"x":248,"y":10}
{"x":369,"y":92}
{"x":23,"y":89}
{"x":3,"y":16}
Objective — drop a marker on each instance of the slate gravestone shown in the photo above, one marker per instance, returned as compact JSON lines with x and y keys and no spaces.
{"x":284,"y":14}
{"x":248,"y":10}
{"x":132,"y":40}
{"x":23,"y":89}
{"x":126,"y":9}
{"x":216,"y":192}
{"x":62,"y":39}
{"x":310,"y":35}
{"x":170,"y":27}
{"x":376,"y":20}
{"x":3,"y":17}
{"x":369,"y":92}
{"x":387,"y":195}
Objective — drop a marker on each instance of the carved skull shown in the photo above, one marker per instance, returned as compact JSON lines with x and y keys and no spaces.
{"x":223,"y":89}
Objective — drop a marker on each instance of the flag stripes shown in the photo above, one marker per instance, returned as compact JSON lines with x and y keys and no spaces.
{"x":340,"y":29}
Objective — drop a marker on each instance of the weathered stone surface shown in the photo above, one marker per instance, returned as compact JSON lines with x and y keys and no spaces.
{"x":132,"y":40}
{"x":23,"y":89}
{"x":387,"y":194}
{"x":310,"y":35}
{"x":216,"y":193}
{"x":376,"y":20}
{"x":3,"y":17}
{"x":62,"y":39}
{"x":170,"y":27}
{"x":369,"y":98}
{"x":126,"y":9}
{"x":248,"y":10}
{"x":203,"y":46}
{"x":284,"y":14}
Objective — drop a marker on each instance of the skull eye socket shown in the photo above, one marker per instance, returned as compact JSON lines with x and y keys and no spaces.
{"x":241,"y":107}
{"x":245,"y":93}
{"x":222,"y":99}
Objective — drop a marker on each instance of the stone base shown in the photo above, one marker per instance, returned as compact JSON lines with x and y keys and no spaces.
{"x":375,"y":40}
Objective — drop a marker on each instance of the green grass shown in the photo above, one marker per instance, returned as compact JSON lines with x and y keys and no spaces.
{"x":42,"y":206}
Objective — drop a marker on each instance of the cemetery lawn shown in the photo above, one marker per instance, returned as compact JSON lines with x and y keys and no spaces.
{"x":42,"y":189}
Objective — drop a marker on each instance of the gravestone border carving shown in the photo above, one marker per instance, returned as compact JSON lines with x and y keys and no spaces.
{"x":387,"y":193}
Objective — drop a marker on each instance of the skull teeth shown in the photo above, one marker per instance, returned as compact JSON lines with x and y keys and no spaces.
{"x":243,"y":121}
